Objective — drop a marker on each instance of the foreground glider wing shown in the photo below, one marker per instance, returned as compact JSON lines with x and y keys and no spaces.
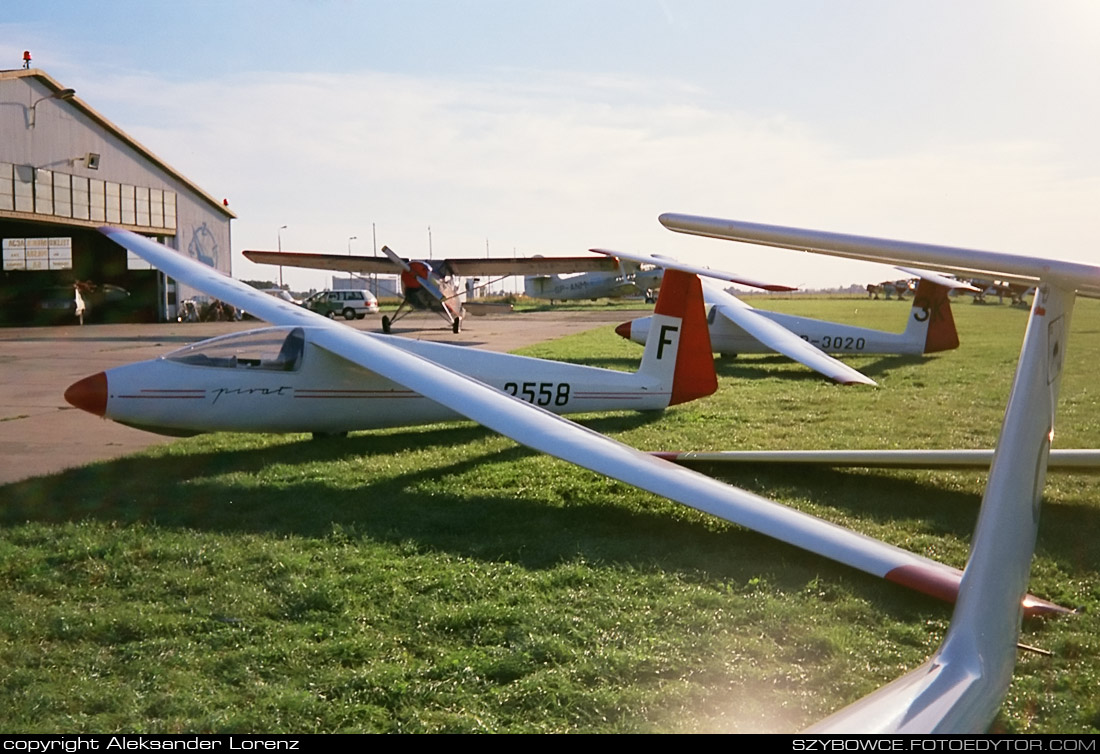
{"x":543,"y":431}
{"x":1082,"y":278}
{"x":960,"y":689}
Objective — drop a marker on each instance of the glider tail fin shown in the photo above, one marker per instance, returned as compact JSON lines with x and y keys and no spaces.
{"x":678,"y":348}
{"x":931,"y":316}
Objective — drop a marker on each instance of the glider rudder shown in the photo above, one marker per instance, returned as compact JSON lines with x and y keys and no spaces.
{"x":682,"y":297}
{"x":932,"y":301}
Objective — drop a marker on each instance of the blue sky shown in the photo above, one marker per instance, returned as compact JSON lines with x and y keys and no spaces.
{"x":553,"y":127}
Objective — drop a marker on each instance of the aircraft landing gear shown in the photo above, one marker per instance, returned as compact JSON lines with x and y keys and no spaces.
{"x":386,"y":323}
{"x":456,"y":325}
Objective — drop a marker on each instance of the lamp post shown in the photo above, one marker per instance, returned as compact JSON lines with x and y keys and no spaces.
{"x":350,"y":239}
{"x":279,"y":235}
{"x":64,"y":94}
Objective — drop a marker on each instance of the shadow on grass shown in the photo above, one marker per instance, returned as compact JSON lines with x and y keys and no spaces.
{"x":585,"y":516}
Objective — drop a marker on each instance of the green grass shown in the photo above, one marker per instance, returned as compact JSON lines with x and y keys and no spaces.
{"x":443,"y":579}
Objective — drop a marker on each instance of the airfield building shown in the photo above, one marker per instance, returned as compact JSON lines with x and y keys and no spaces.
{"x":65,"y":170}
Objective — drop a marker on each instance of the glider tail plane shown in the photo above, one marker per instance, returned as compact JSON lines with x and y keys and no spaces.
{"x":678,"y":349}
{"x":931,"y":317}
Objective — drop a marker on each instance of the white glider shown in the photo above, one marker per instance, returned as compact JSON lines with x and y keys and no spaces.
{"x":418,"y":375}
{"x":960,"y":689}
{"x":737,"y":328}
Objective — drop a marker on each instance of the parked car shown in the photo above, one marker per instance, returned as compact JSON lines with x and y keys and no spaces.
{"x":351,"y":304}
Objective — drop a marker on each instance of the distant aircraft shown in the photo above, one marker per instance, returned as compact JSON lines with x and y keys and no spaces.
{"x":630,"y":279}
{"x":737,"y":328}
{"x":960,"y":689}
{"x":429,"y":285}
{"x":637,"y":275}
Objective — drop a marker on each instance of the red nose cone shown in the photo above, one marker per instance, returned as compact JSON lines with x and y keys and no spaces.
{"x":90,"y":394}
{"x":623,"y":330}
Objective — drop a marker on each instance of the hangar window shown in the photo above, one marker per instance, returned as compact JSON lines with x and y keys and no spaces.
{"x":170,"y":209}
{"x":275,"y":349}
{"x":24,"y":188}
{"x":7,"y":187}
{"x":98,"y":200}
{"x":142,"y":205}
{"x":156,"y":208}
{"x":127,"y":204}
{"x":43,"y":191}
{"x":114,"y":203}
{"x":62,"y":194}
{"x":80,"y":198}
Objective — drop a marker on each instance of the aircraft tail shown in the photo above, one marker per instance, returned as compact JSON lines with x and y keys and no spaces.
{"x":678,"y":347}
{"x":931,"y":317}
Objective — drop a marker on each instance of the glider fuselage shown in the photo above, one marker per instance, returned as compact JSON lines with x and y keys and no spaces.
{"x":266,"y":381}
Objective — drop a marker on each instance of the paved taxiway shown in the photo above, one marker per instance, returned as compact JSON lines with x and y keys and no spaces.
{"x":40,"y":433}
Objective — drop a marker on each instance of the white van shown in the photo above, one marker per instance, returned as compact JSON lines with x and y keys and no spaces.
{"x":351,"y":304}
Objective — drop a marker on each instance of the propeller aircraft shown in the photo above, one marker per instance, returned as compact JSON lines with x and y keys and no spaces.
{"x":429,"y":285}
{"x":990,"y":590}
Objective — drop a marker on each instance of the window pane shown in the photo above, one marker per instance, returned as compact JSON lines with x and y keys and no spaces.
{"x":7,"y":188}
{"x":24,"y":188}
{"x":142,"y":203}
{"x":98,"y":200}
{"x":62,"y":195}
{"x":80,"y":198}
{"x":156,"y":208}
{"x":170,"y":209}
{"x":43,"y":191}
{"x":127,"y":204}
{"x":114,"y":214}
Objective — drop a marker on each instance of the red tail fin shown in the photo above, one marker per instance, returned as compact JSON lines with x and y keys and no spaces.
{"x":682,"y":296}
{"x":932,"y":300}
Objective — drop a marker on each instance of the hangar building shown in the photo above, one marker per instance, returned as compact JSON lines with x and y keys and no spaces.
{"x":65,"y":170}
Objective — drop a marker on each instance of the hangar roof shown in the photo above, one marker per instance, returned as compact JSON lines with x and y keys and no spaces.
{"x":107,"y":125}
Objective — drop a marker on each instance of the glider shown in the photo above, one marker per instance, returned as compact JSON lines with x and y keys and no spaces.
{"x":961,"y":687}
{"x":736,"y":328}
{"x":418,"y":379}
{"x":429,"y":285}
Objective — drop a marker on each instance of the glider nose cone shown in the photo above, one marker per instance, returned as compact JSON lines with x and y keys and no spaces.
{"x":623,"y":330}
{"x":89,"y":394}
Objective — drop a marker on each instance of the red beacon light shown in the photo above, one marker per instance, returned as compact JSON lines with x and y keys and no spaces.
{"x":26,"y":58}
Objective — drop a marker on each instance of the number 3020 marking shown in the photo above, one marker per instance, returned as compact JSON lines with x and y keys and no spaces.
{"x":547,"y":392}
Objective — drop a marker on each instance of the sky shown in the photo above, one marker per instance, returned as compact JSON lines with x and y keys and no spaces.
{"x":520,"y":128}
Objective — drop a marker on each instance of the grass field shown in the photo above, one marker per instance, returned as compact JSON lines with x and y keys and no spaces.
{"x":444,"y":579}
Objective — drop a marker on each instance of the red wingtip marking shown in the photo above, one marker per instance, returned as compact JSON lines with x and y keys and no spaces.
{"x":944,"y":585}
{"x":682,"y":296}
{"x":89,"y":394}
{"x":623,"y":330}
